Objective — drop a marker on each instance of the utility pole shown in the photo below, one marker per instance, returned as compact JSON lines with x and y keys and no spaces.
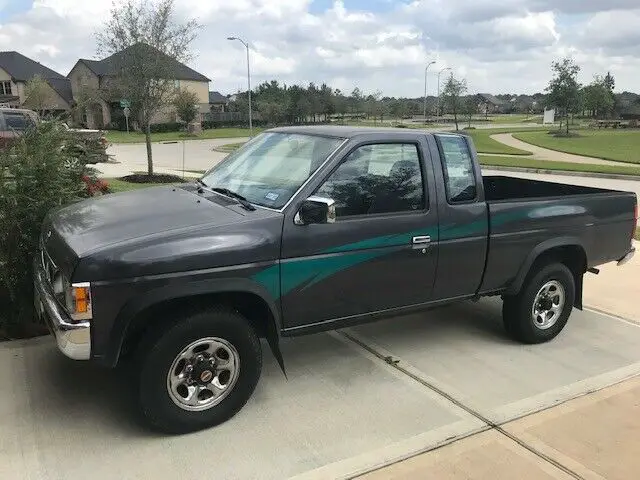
{"x":246,"y":46}
{"x":426,"y":70}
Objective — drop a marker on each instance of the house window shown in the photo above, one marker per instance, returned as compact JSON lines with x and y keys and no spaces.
{"x":6,"y":88}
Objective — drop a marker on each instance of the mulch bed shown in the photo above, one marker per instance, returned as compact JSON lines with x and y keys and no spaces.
{"x":156,"y":178}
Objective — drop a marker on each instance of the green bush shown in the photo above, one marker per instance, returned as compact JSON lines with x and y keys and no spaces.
{"x":40,"y":172}
{"x":166,"y":127}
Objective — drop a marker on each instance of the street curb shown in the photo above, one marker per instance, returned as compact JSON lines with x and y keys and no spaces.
{"x":568,"y":173}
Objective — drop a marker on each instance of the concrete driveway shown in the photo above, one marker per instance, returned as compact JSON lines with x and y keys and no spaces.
{"x":354,"y":400}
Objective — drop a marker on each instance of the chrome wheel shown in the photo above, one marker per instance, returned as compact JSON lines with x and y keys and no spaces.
{"x":548,"y":305}
{"x":203,"y":374}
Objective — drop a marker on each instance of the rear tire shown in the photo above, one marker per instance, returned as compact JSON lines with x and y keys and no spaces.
{"x":199,"y":371}
{"x":540,"y":311}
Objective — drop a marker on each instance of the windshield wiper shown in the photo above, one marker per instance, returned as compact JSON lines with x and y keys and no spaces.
{"x":230,"y":193}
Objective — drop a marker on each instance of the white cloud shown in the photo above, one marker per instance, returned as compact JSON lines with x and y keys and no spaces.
{"x":504,"y":46}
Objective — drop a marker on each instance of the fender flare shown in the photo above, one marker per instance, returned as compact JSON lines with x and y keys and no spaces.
{"x":536,"y":253}
{"x":128,"y":313}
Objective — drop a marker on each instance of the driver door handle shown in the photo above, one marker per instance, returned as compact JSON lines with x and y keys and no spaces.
{"x":421,"y":240}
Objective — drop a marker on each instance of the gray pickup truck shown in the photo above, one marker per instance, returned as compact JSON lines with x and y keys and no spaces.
{"x":305,"y":230}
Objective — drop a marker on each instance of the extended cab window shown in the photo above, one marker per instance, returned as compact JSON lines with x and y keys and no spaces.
{"x":374,"y":179}
{"x":457,"y":164}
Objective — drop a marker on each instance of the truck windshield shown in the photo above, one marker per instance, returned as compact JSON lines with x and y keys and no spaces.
{"x":271,"y":167}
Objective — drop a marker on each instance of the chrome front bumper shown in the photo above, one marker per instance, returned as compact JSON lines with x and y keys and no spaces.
{"x":73,"y":338}
{"x":627,"y":257}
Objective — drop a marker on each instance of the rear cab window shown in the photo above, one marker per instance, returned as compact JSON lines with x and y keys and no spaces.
{"x":457,"y":166}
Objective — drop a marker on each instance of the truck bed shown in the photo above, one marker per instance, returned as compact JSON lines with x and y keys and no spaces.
{"x":499,"y":188}
{"x":529,"y":215}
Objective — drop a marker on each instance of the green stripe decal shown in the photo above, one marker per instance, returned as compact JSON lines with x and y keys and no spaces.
{"x":280,"y":279}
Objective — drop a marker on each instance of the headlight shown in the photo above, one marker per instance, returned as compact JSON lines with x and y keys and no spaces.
{"x":78,"y":300}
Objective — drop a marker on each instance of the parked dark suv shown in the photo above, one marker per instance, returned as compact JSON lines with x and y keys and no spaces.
{"x":14,"y":121}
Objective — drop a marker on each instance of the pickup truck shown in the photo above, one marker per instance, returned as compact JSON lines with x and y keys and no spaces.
{"x":304,"y":230}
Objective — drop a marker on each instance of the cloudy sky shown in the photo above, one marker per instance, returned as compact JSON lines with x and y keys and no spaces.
{"x":499,"y":46}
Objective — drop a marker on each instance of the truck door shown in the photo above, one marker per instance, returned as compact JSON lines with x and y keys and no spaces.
{"x":464,"y":225}
{"x":381,"y":252}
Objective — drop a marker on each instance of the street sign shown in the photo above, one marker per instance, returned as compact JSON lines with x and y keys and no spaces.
{"x":125,"y":103}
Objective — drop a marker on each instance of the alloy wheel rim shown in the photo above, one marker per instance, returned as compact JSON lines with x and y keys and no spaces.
{"x":548,"y":305}
{"x":203,"y":374}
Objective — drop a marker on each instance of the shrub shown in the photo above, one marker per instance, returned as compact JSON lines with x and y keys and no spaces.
{"x":166,"y":127}
{"x":40,"y":172}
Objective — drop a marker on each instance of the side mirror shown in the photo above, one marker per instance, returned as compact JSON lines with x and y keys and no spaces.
{"x":316,"y":210}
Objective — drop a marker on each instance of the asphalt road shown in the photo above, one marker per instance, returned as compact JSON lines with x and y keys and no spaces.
{"x":354,"y":400}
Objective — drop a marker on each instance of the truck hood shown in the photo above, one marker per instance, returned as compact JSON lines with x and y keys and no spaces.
{"x":98,"y":223}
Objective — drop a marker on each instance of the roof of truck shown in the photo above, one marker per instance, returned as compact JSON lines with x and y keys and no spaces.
{"x":350,"y":131}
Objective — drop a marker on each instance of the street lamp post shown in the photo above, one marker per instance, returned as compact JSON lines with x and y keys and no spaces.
{"x":246,"y":46}
{"x":438,"y":106}
{"x":424,"y":113}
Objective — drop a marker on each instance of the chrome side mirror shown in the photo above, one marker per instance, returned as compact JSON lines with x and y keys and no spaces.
{"x":316,"y":210}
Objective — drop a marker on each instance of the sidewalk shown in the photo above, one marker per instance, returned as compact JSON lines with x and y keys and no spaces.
{"x":540,"y":153}
{"x":595,"y":436}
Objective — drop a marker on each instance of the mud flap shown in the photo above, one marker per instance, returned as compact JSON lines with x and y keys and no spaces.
{"x":579,"y":283}
{"x":274,"y":343}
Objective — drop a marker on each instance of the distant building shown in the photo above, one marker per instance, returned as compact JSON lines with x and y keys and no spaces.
{"x":218,"y":102}
{"x":632,"y":112}
{"x":96,"y":75}
{"x":16,"y":70}
{"x":488,"y":103}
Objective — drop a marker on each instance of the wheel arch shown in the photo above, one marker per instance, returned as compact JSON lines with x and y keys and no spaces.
{"x":567,"y":250}
{"x":143,"y":312}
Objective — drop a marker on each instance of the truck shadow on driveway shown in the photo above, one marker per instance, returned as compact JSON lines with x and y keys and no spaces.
{"x":104,"y":399}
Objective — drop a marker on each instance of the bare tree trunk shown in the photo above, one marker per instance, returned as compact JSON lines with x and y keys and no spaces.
{"x":147,"y":135}
{"x":567,"y":122}
{"x":455,"y":118}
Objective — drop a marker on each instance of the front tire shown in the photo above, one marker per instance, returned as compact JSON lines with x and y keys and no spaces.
{"x":540,"y":311}
{"x":199,"y":371}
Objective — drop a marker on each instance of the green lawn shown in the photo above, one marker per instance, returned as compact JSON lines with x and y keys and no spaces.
{"x":523,"y":162}
{"x":619,"y":145}
{"x":116,"y":185}
{"x":485,"y":144}
{"x":114,"y":136}
{"x":516,"y":118}
{"x":230,"y":147}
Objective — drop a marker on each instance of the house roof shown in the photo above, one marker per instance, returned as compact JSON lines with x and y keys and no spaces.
{"x":487,"y":97}
{"x":217,"y":97}
{"x":22,"y":68}
{"x":62,"y":87}
{"x":107,"y":66}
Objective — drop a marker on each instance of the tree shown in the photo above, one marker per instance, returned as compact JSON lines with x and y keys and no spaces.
{"x":185,"y":103}
{"x":470,"y":107}
{"x":37,"y":94}
{"x":145,"y":42}
{"x":564,"y":89}
{"x":609,"y":82}
{"x":451,"y":94}
{"x":597,"y":98}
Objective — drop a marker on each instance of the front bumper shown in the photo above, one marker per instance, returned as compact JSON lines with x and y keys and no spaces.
{"x":73,"y":338}
{"x":627,"y":257}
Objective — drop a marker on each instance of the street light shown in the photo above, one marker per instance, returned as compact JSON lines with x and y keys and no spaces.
{"x":424,"y":113}
{"x":438,"y":106}
{"x":246,"y":45}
